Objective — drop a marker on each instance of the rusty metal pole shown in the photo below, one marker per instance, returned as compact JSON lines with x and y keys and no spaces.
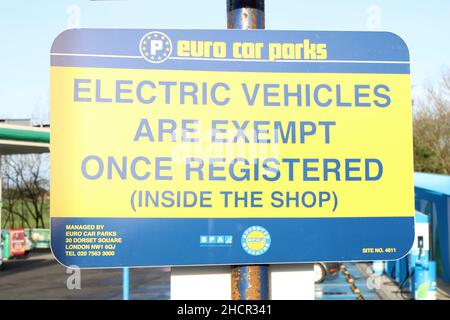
{"x":248,"y":282}
{"x":245,"y":14}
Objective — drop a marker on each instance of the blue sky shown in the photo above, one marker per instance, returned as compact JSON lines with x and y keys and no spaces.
{"x":27,"y":30}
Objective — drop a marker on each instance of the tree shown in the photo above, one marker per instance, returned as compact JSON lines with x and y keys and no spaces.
{"x":26,"y":190}
{"x":432,"y":129}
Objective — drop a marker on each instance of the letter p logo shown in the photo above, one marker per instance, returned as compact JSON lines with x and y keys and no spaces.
{"x":155,"y":47}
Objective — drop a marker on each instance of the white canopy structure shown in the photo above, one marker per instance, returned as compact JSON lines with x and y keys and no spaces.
{"x":23,"y":139}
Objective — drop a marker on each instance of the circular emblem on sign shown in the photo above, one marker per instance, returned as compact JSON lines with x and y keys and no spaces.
{"x":256,"y":240}
{"x":156,"y":47}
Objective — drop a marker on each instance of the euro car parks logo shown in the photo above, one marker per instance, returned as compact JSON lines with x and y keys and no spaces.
{"x":155,"y":47}
{"x":256,"y":240}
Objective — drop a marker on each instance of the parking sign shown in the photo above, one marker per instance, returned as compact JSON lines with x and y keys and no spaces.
{"x":209,"y":147}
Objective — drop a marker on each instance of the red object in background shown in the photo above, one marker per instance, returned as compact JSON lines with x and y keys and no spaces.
{"x":17,"y":242}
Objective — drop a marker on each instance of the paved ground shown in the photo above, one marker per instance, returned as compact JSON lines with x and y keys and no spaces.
{"x":368,"y":286}
{"x":388,"y":289}
{"x":39,"y":276}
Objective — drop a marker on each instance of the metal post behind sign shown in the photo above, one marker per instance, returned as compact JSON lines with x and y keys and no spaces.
{"x":245,"y":14}
{"x":126,"y":283}
{"x":248,"y":282}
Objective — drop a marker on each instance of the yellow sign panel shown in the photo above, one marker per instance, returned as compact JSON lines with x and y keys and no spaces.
{"x":181,"y":144}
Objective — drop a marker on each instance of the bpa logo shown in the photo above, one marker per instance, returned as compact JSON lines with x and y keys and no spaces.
{"x":155,"y":47}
